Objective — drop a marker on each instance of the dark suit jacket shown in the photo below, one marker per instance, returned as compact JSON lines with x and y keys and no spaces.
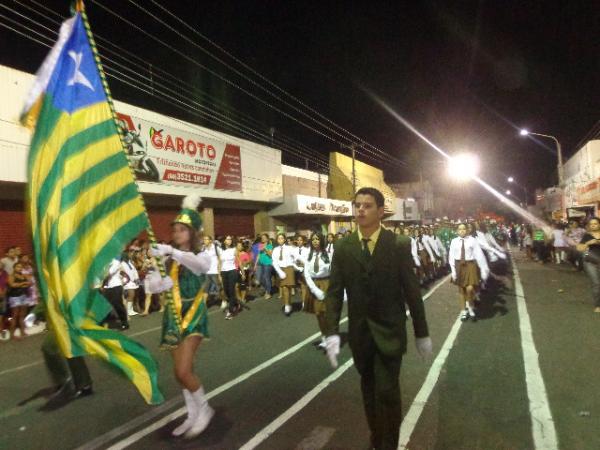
{"x":378,"y":289}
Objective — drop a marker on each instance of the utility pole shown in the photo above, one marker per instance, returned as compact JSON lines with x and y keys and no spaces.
{"x":353,"y":149}
{"x":272,"y":133}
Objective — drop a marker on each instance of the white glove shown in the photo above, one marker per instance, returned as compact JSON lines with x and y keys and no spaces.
{"x":166,"y":283}
{"x":424,"y":347}
{"x":161,"y":250}
{"x":332,"y":345}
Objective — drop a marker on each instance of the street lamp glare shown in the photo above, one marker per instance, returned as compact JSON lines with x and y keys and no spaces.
{"x":507,"y":192}
{"x":523,"y":132}
{"x":463,"y":167}
{"x":510,"y":179}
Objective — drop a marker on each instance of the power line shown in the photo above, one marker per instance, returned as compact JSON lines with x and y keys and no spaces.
{"x":236,"y":126}
{"x":386,"y":158}
{"x":352,"y":138}
{"x":376,"y":158}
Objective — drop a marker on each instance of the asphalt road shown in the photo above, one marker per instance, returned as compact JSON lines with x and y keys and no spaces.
{"x":272,"y":389}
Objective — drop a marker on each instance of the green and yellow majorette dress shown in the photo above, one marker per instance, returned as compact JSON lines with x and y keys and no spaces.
{"x":187,"y":315}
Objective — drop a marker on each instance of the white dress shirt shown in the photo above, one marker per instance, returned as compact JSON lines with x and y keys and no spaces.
{"x":414,"y":252}
{"x":473,"y":252}
{"x":493,"y":254}
{"x":310,"y":274}
{"x":283,"y":256}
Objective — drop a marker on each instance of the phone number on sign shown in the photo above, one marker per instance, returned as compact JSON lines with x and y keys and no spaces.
{"x":185,"y":177}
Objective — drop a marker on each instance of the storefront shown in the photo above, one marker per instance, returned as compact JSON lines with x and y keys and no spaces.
{"x":236,"y":178}
{"x":303,"y":214}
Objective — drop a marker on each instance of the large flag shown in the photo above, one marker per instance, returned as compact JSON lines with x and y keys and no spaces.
{"x":84,"y":204}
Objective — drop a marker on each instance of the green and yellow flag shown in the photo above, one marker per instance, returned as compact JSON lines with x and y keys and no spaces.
{"x":84,"y":203}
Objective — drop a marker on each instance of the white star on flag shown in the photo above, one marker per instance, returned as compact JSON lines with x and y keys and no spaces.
{"x":78,"y":76}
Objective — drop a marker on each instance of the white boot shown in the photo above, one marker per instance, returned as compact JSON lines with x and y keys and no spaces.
{"x":130,"y":311}
{"x":192,"y":412}
{"x":205,"y":414}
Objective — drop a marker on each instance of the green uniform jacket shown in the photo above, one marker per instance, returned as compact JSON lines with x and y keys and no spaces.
{"x":378,"y":290}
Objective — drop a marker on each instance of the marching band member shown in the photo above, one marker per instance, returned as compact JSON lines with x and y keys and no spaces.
{"x":413,"y":248}
{"x":300,"y":255}
{"x":316,"y":274}
{"x":185,"y":323}
{"x":467,"y":261}
{"x":329,"y":246}
{"x":283,"y":263}
{"x":491,"y":252}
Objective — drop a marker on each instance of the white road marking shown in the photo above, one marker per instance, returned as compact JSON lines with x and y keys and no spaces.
{"x":100,"y":441}
{"x":412,"y":417}
{"x":264,"y":434}
{"x":296,"y":407}
{"x":542,"y":423}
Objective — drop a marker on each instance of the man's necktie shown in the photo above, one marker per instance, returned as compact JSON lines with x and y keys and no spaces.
{"x":462,"y":250}
{"x":281,"y":254}
{"x":365,"y":249}
{"x":316,"y":266}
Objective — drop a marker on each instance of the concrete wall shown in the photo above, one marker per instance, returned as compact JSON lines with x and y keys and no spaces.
{"x":340,"y":180}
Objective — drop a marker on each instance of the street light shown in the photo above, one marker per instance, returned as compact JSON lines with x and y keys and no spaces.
{"x":463,"y":167}
{"x":525,"y":132}
{"x":507,"y":192}
{"x":510,"y":179}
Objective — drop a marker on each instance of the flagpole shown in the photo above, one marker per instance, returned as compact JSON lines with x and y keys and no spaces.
{"x":79,"y":7}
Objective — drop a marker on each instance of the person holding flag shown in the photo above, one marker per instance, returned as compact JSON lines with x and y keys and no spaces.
{"x":83,"y":201}
{"x":185,"y":323}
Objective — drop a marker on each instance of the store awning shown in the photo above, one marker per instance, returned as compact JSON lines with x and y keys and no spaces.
{"x":307,"y":205}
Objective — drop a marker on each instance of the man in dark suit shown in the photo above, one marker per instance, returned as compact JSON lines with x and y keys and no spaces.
{"x":375,"y":267}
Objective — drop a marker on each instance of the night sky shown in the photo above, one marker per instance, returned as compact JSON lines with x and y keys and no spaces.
{"x":466,"y":74}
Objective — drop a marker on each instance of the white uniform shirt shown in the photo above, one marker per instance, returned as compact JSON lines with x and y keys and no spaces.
{"x":310,"y":274}
{"x":228,"y":259}
{"x":329,"y":248}
{"x":414,"y":252}
{"x":283,"y":256}
{"x":473,"y":252}
{"x":493,"y":254}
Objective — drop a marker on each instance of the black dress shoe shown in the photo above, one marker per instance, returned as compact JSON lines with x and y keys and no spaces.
{"x":125,"y":326}
{"x":63,"y":396}
{"x":84,"y":392}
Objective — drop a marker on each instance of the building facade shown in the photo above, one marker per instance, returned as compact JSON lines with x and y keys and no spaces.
{"x":238,"y":180}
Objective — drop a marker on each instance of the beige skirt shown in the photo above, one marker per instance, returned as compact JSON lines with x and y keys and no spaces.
{"x":467,"y":273}
{"x":290,"y":279}
{"x":311,"y":303}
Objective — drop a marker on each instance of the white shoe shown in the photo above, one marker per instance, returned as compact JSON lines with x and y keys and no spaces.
{"x":192,"y":412}
{"x":224,"y":305}
{"x":204,"y":417}
{"x":130,"y":310}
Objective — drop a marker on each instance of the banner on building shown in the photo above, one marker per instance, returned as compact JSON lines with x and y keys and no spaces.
{"x":172,"y":156}
{"x":324,"y":206}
